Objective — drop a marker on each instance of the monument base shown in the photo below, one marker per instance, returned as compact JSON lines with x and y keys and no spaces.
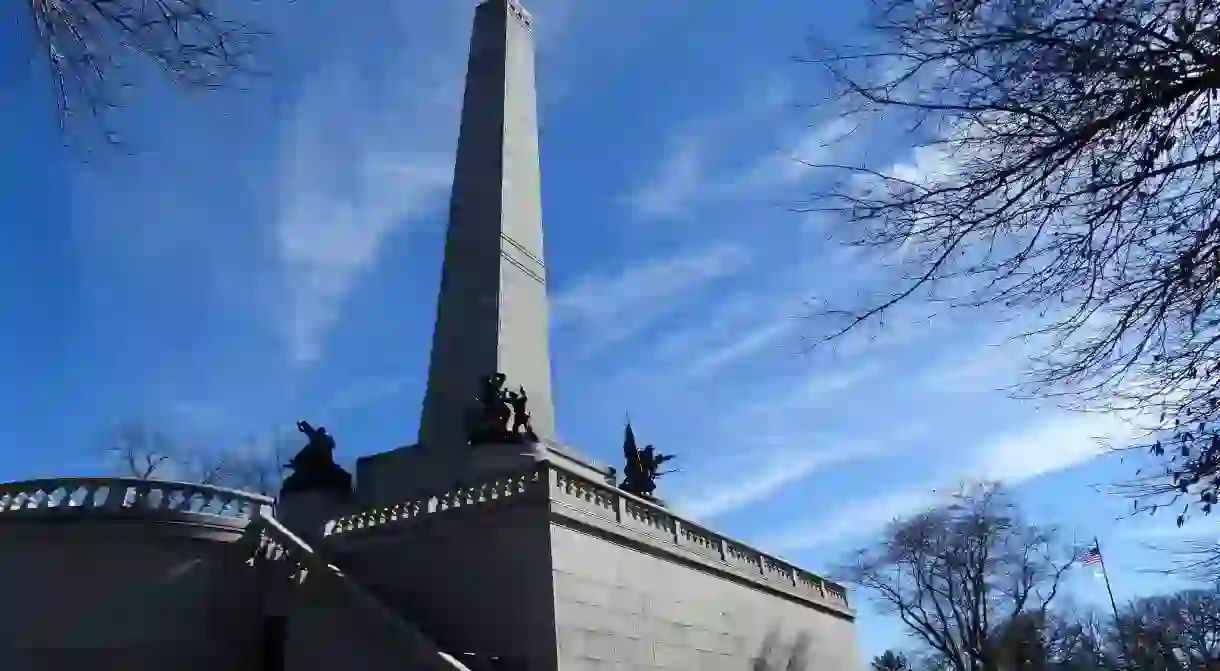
{"x":388,"y":477}
{"x":563,"y":572}
{"x":305,"y":513}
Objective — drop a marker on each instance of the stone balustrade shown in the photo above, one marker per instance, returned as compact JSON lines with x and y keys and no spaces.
{"x":116,"y":496}
{"x":461,"y":496}
{"x":271,"y":550}
{"x":612,"y":505}
{"x":646,"y":517}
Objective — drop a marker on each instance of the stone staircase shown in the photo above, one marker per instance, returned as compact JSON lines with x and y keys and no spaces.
{"x":297,"y":581}
{"x":482,"y":663}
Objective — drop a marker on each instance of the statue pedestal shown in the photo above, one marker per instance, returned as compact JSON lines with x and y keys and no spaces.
{"x":492,"y":458}
{"x":305,"y":512}
{"x":401,"y":474}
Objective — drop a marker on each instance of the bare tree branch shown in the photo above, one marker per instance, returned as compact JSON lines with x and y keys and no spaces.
{"x":1065,"y":175}
{"x":140,"y":451}
{"x":1196,"y":559}
{"x":92,"y":48}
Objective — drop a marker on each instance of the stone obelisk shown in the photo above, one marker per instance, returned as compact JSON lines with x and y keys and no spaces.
{"x":491,"y":315}
{"x":492,"y":311}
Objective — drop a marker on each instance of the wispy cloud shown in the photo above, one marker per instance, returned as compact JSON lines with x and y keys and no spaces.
{"x":995,"y":360}
{"x":678,"y":180}
{"x":810,"y":391}
{"x":758,"y":482}
{"x":789,"y":166}
{"x":719,"y":158}
{"x":1045,"y":446}
{"x":1048,"y":445}
{"x":745,"y":344}
{"x":755,"y":319}
{"x":348,"y":180}
{"x":784,"y":450}
{"x":925,"y":165}
{"x":1165,"y":531}
{"x":364,"y":158}
{"x":612,"y":307}
{"x":853,"y":519}
{"x":736,"y":330}
{"x":365,"y":391}
{"x":825,"y":384}
{"x":991,"y":369}
{"x":193,"y":415}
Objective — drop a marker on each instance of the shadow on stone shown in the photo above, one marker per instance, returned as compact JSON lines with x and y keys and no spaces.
{"x":773,"y":656}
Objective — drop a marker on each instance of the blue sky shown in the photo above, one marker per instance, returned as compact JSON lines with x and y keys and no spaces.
{"x":273,"y":254}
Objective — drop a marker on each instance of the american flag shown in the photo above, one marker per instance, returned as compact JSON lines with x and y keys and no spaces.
{"x":1093,"y":556}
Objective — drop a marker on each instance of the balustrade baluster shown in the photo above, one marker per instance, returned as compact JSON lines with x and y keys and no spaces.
{"x":142,"y":493}
{"x":115,"y":495}
{"x":225,"y":507}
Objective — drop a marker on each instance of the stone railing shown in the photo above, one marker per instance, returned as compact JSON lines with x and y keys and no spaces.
{"x":614,"y":505}
{"x":284,"y":555}
{"x":111,"y":496}
{"x":462,"y":496}
{"x":610,"y":504}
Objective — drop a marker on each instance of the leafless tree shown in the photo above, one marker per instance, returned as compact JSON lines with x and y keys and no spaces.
{"x":1066,"y":178}
{"x":960,"y":576}
{"x":1174,"y":632}
{"x":1052,"y":641}
{"x":890,"y":661}
{"x":93,"y":48}
{"x":140,"y":451}
{"x":1084,"y":642}
{"x":259,"y":466}
{"x":1025,"y":642}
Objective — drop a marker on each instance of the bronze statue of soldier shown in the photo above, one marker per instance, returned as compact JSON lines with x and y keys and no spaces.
{"x":500,"y":416}
{"x":642,"y":470}
{"x":314,"y":466}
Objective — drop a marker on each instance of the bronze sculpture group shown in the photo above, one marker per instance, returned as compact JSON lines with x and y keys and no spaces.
{"x":501,"y":416}
{"x":643,"y":467}
{"x":314,"y":466}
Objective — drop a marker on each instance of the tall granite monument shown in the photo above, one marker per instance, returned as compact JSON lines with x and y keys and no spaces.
{"x":491,"y":315}
{"x":487,"y":542}
{"x":498,"y":541}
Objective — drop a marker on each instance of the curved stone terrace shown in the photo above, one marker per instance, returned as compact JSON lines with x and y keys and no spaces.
{"x":589,"y":501}
{"x":569,"y":494}
{"x":110,"y":497}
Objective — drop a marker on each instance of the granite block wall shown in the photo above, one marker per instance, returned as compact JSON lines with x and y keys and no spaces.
{"x":618,"y":607}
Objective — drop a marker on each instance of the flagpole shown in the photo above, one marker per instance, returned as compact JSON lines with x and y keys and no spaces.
{"x":1118,"y":627}
{"x":1101,"y":559}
